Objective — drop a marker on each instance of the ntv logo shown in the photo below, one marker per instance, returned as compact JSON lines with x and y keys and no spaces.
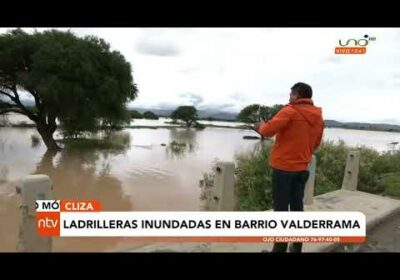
{"x":354,"y":46}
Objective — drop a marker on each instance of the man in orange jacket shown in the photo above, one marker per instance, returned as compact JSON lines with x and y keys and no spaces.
{"x":298,"y":128}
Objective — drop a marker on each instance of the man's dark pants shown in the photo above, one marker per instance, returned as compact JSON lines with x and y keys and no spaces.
{"x":288,"y":192}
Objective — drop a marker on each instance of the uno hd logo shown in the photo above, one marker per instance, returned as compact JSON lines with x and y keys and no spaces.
{"x":354,"y":46}
{"x":48,"y":213}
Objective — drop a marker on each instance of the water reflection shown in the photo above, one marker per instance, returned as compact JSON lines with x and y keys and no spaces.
{"x":84,"y":175}
{"x":142,"y":176}
{"x":182,"y":142}
{"x":2,"y":145}
{"x":4,"y":174}
{"x":76,"y":174}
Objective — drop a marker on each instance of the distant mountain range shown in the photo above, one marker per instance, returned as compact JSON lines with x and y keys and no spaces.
{"x":221,"y":115}
{"x":231,"y":116}
{"x":366,"y":126}
{"x":202,"y":113}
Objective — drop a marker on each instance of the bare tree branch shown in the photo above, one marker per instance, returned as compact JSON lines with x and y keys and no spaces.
{"x":37,"y":99}
{"x":8,"y":105}
{"x":8,"y":108}
{"x":7,"y":94}
{"x":18,"y":103}
{"x":11,"y":110}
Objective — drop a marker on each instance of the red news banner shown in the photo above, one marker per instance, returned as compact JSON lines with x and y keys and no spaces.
{"x":84,"y":218}
{"x":48,"y":213}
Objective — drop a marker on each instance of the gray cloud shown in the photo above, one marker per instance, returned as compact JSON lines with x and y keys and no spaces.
{"x":165,"y":105}
{"x":156,"y":47}
{"x":195,"y":99}
{"x":226,"y":105}
{"x":219,"y":107}
{"x":242,"y":66}
{"x":237,"y":96}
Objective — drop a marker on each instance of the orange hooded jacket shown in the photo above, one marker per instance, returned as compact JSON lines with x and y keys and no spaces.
{"x":298,"y":128}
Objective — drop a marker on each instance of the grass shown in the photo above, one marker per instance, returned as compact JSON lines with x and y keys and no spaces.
{"x":206,"y":192}
{"x":177,"y":148}
{"x":379,"y":173}
{"x":392,"y":183}
{"x":113,"y":142}
{"x":178,"y":144}
{"x":85,"y":143}
{"x":253,"y":185}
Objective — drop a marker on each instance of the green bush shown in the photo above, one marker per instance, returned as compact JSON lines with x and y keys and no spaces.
{"x":331,"y":162}
{"x":253,"y":188}
{"x":387,"y":162}
{"x":206,"y":185}
{"x":368,"y":178}
{"x":177,"y":148}
{"x":253,"y":185}
{"x":379,"y":173}
{"x":392,"y":184}
{"x":135,"y":114}
{"x":178,"y":144}
{"x":150,"y":115}
{"x":198,"y":125}
{"x":115,"y":142}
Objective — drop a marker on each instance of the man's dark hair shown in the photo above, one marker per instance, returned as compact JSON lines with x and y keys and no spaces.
{"x":304,"y":90}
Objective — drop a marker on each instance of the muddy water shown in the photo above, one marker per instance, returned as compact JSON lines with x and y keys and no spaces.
{"x":145,"y":176}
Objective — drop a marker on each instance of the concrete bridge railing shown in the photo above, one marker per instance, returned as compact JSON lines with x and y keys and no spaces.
{"x":32,"y":188}
{"x":221,"y":198}
{"x":222,"y":193}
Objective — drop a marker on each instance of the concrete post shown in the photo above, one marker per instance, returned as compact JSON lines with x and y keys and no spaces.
{"x":350,"y":179}
{"x":32,"y":188}
{"x":309,"y":189}
{"x":223,"y":192}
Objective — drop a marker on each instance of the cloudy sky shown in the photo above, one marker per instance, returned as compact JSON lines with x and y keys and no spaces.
{"x":229,"y":68}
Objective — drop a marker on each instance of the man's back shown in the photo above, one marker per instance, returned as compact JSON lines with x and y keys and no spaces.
{"x":298,"y":128}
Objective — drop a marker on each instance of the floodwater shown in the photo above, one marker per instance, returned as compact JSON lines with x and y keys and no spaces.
{"x":145,"y":176}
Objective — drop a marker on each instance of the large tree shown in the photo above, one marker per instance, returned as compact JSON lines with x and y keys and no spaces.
{"x":150,"y":115}
{"x":135,"y":114}
{"x":188,"y":114}
{"x":275,"y":109}
{"x":78,"y":81}
{"x":255,"y":113}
